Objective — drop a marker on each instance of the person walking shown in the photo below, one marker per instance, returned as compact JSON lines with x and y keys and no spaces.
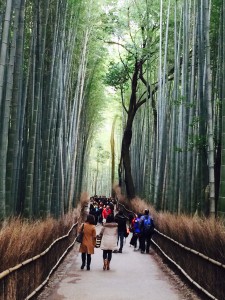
{"x":109,"y":234}
{"x":146,"y":231}
{"x":100,"y":210}
{"x":136,"y":231}
{"x":111,"y":206}
{"x":121,"y":220}
{"x":88,"y":242}
{"x":106,"y":212}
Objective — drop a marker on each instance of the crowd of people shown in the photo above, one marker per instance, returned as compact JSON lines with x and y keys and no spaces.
{"x":101,"y":207}
{"x":115,"y":227}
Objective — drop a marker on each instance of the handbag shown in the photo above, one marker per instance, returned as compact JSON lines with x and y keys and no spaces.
{"x":126,"y":233}
{"x":79,"y":237}
{"x":98,"y":241}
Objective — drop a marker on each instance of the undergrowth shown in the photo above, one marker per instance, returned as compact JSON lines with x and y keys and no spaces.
{"x":205,"y":235}
{"x":21,"y":239}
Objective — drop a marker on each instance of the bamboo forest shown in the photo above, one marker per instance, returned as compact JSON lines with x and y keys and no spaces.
{"x":102,"y":93}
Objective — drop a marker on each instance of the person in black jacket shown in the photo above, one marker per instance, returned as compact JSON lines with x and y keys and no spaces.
{"x":121,"y":220}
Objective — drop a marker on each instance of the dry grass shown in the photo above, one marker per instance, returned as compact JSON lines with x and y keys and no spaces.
{"x":84,"y":199}
{"x":20,"y":239}
{"x":122,"y":199}
{"x":139,"y":205}
{"x":204,"y":235}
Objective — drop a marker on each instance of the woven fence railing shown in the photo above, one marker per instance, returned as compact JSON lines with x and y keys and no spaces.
{"x":27,"y":278}
{"x":205,"y":273}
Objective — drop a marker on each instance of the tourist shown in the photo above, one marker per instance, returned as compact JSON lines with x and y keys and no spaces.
{"x":136,"y":231}
{"x":146,"y":231}
{"x":109,"y":234}
{"x":106,"y":212}
{"x":121,"y":220}
{"x":88,"y":242}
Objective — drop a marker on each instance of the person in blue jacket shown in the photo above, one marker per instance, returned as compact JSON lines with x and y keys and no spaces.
{"x":136,"y":231}
{"x":146,"y":231}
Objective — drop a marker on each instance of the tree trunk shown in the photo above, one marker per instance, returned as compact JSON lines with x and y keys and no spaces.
{"x":127,"y":135}
{"x":3,"y":62}
{"x":221,"y":202}
{"x":112,"y":142}
{"x":125,"y":153}
{"x":211,"y":159}
{"x":13,"y":157}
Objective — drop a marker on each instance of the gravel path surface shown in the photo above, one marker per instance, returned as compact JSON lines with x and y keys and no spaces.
{"x":132,"y":276}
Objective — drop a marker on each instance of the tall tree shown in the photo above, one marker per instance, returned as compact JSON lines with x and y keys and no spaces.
{"x":3,"y":72}
{"x":221,"y":203}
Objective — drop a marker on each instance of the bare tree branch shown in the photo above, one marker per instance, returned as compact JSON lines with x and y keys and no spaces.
{"x":119,"y":44}
{"x":122,"y":97}
{"x":169,"y":77}
{"x":125,"y":66}
{"x":132,"y":39}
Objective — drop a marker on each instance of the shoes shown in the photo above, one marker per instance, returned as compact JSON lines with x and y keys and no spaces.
{"x":142,"y":252}
{"x":115,"y":251}
{"x":88,"y":268}
{"x":108,"y":264}
{"x":120,"y":251}
{"x":105,"y":263}
{"x":82,"y":266}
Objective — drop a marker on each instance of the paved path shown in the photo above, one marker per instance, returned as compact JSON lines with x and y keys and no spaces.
{"x":132,"y":276}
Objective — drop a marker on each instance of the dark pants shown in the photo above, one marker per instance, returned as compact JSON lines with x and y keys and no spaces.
{"x":120,"y":239}
{"x":107,"y":254}
{"x":145,"y":241}
{"x":134,"y":240}
{"x":83,"y":257}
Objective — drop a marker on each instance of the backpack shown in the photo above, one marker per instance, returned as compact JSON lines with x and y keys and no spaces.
{"x":148,"y":226}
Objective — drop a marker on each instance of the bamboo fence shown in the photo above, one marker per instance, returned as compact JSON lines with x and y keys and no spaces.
{"x":204,"y":273}
{"x":27,"y":278}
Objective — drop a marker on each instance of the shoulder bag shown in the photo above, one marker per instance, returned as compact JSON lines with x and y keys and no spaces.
{"x":98,"y":241}
{"x":79,"y":237}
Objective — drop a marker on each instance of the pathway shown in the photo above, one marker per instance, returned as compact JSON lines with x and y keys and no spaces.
{"x":132,"y":276}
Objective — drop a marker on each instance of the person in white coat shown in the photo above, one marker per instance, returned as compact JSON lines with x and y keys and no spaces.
{"x":109,"y":234}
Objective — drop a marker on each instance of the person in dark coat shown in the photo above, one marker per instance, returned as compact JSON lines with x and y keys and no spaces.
{"x":147,"y":226}
{"x":111,"y":207}
{"x":121,"y":220}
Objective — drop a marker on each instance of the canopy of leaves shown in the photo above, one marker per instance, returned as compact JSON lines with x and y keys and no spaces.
{"x":117,"y":75}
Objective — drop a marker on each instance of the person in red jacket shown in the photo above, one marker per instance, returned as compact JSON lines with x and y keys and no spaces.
{"x":106,"y":212}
